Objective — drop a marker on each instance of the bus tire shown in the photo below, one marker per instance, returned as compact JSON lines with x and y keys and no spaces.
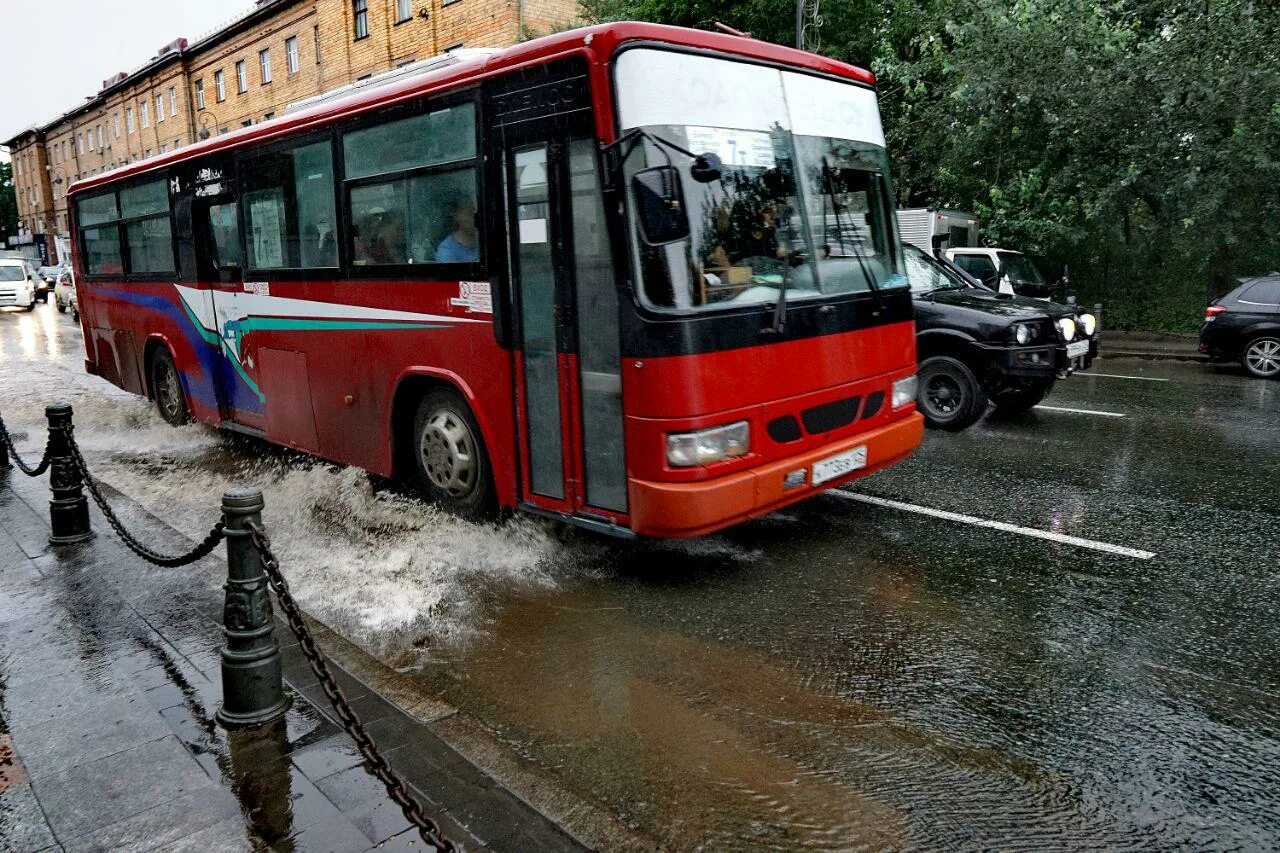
{"x":166,"y":388}
{"x":450,"y":458}
{"x":950,"y":396}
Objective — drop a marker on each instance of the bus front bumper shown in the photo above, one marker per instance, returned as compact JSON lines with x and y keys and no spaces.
{"x":695,"y":509}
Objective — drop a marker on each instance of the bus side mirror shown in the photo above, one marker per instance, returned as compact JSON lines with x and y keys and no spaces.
{"x":660,"y":205}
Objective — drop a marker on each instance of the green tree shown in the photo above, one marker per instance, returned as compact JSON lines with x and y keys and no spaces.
{"x":8,"y":204}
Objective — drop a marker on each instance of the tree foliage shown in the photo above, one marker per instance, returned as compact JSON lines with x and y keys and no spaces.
{"x":8,"y":204}
{"x":1135,"y":142}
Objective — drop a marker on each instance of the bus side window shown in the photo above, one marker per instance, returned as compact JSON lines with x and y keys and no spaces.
{"x":224,"y":236}
{"x":289,"y":210}
{"x":412,"y":189}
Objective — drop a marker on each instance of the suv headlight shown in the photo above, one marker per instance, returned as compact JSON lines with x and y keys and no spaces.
{"x":904,"y":391}
{"x":685,"y":449}
{"x":1090,"y":324}
{"x":1068,"y":327}
{"x":1025,"y":333}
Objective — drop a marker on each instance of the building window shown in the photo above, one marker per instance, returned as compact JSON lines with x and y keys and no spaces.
{"x":159,"y":108}
{"x":291,"y":54}
{"x":146,"y":115}
{"x":220,"y":85}
{"x":116,"y":126}
{"x":316,"y":37}
{"x":404,"y":10}
{"x":199,"y":98}
{"x":269,"y":116}
{"x":173,"y":100}
{"x":242,"y":77}
{"x":361,"y":8}
{"x":287,"y":202}
{"x":100,"y":142}
{"x":264,"y":61}
{"x":164,"y":146}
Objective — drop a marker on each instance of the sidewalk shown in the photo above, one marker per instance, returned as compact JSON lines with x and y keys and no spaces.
{"x":109,"y":680}
{"x":1154,"y":345}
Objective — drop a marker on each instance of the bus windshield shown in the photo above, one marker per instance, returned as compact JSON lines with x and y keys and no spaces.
{"x":803,"y":201}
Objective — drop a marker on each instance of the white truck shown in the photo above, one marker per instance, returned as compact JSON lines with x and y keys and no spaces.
{"x":920,"y":225}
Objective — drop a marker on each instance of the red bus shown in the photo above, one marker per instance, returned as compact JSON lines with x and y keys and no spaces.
{"x":641,"y":278}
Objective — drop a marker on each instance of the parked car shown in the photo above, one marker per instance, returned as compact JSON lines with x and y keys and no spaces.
{"x":976,"y":346}
{"x":18,"y":283}
{"x":1244,"y":326}
{"x":1003,"y":270}
{"x":64,"y":291}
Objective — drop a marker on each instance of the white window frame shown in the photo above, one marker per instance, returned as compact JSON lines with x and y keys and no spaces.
{"x":173,"y":100}
{"x":242,"y":76}
{"x":264,"y":64}
{"x":291,"y":54}
{"x":128,"y":119}
{"x":159,"y":108}
{"x":100,"y":141}
{"x":146,"y":115}
{"x":200,"y":94}
{"x":404,"y":10}
{"x":116,"y":125}
{"x":220,"y":85}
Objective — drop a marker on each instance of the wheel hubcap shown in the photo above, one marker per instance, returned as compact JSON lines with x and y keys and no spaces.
{"x":167,"y":391}
{"x":1264,"y":357}
{"x":448,"y":453}
{"x":943,"y":394}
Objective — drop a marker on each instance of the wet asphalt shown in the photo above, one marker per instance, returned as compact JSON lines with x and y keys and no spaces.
{"x":846,"y":674}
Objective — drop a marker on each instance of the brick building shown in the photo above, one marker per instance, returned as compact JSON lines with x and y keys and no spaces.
{"x":279,"y":52}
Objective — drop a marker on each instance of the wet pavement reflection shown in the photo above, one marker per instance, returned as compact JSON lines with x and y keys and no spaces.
{"x":838,"y":675}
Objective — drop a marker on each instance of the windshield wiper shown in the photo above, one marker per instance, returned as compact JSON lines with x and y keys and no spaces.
{"x":829,"y":188}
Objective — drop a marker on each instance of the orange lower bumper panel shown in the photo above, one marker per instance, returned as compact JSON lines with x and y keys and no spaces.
{"x":695,"y":509}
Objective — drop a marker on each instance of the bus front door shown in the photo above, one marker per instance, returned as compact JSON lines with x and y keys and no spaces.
{"x":567,"y":328}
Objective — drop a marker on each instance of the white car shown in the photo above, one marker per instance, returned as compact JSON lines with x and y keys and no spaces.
{"x":18,"y":284}
{"x":64,"y":291}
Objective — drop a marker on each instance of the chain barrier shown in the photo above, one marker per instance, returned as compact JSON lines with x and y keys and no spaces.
{"x":396,"y":787}
{"x":29,"y":470}
{"x":204,"y":549}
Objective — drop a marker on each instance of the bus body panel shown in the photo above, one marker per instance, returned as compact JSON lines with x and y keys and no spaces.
{"x":320,"y":364}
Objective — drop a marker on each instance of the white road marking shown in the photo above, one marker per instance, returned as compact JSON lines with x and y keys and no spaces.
{"x":1034,"y":533}
{"x":1122,"y":376}
{"x":1081,"y":411}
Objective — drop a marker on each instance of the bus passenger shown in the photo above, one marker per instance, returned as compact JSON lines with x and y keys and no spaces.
{"x":460,"y":245}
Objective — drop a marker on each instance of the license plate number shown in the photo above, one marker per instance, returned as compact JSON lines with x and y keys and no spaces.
{"x":839,"y":465}
{"x":1075,"y":349}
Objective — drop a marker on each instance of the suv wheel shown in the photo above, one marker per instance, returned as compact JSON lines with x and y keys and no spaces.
{"x":1262,"y":357}
{"x":950,"y":396}
{"x":1020,"y":399}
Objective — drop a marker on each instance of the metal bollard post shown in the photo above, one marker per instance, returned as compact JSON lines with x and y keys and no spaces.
{"x":1097,"y":313}
{"x":252,"y":690}
{"x":69,"y":508}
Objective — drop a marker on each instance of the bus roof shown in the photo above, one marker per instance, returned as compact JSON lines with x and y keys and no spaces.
{"x":600,"y":41}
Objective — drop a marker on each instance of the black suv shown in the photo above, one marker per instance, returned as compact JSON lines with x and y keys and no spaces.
{"x":1244,"y":325}
{"x":975,"y":345}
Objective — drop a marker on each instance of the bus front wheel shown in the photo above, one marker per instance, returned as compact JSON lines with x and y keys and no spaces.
{"x":450,"y":456}
{"x":166,"y":387}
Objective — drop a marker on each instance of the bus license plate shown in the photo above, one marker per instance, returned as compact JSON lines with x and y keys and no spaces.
{"x":839,"y":465}
{"x":1075,"y":349}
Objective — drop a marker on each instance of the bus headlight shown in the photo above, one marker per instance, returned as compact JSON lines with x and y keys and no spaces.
{"x":1090,"y":324}
{"x":904,"y":391}
{"x":1068,"y":327}
{"x":685,"y":449}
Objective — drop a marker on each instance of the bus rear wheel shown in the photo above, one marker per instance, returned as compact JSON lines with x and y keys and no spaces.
{"x":166,"y":387}
{"x":450,"y":457}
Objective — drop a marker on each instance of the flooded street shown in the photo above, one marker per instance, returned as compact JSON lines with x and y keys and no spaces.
{"x":851,"y":673}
